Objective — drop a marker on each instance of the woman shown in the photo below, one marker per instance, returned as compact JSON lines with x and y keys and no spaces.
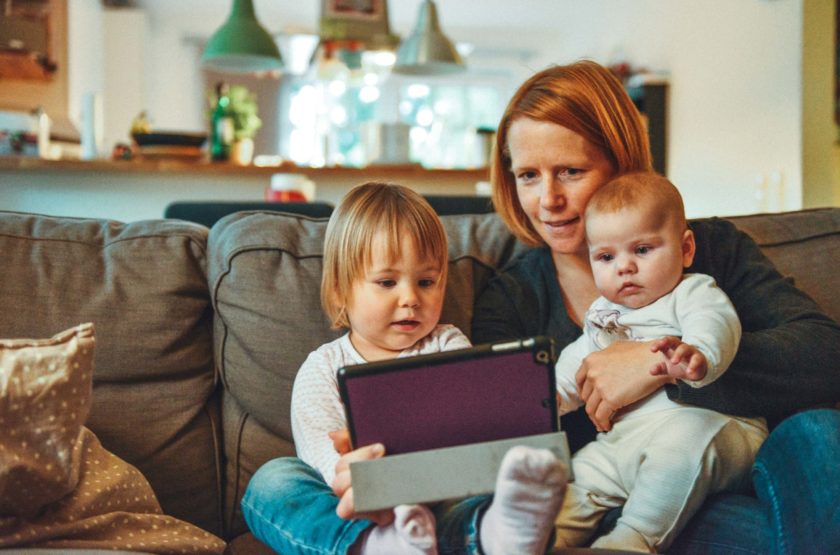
{"x":566,"y":132}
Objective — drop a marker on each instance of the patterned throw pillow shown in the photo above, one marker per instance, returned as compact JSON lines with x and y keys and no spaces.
{"x":59,"y":487}
{"x":45,"y":397}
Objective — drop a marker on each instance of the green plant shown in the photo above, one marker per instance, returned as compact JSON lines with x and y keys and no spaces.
{"x":244,"y":109}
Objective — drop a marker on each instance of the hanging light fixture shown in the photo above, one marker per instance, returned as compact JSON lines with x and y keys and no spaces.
{"x":427,"y":51}
{"x":241,"y":44}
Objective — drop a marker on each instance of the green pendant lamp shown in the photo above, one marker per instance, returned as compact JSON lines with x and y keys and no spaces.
{"x":427,"y":51}
{"x":241,"y":44}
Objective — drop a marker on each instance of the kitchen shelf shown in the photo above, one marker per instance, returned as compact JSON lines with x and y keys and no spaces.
{"x":386,"y":172}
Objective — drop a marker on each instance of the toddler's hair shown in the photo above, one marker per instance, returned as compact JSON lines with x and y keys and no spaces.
{"x":648,"y":190}
{"x":365,"y":212}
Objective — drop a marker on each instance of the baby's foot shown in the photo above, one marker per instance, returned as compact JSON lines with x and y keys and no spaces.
{"x":412,"y":532}
{"x":529,"y":491}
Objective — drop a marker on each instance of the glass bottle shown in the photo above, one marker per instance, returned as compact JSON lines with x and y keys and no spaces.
{"x":221,"y":125}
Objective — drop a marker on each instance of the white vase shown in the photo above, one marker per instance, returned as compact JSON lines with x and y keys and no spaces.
{"x":242,"y":152}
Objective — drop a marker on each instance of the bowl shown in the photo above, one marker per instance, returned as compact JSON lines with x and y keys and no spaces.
{"x":165,"y":138}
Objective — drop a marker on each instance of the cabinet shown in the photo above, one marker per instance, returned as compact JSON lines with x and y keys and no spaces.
{"x":26,"y":40}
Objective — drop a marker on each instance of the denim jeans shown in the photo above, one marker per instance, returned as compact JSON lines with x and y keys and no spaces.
{"x":290,"y":508}
{"x":796,"y":477}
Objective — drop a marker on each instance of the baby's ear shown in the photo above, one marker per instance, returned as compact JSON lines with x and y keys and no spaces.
{"x":688,"y":248}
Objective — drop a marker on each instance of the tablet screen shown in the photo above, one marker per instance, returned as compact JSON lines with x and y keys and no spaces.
{"x":484,"y":393}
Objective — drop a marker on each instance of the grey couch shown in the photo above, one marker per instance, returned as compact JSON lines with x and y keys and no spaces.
{"x":200,"y":332}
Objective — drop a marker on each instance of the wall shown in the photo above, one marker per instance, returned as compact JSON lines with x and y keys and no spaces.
{"x":819,"y":141}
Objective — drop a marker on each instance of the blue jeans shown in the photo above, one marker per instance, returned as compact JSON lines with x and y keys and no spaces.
{"x":290,"y":508}
{"x":796,"y":477}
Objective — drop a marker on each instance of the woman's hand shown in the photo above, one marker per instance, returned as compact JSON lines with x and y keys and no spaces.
{"x":342,"y":483}
{"x":616,"y":377}
{"x":684,"y":361}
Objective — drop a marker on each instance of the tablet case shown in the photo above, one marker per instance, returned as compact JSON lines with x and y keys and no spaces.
{"x":489,"y":392}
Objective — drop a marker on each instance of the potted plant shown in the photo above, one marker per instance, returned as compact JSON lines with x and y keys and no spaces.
{"x":243,"y":109}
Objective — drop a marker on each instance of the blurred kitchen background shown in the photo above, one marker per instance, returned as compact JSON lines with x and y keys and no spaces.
{"x":750,"y":84}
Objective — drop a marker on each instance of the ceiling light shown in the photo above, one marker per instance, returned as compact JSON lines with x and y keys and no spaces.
{"x":241,"y":44}
{"x":427,"y":51}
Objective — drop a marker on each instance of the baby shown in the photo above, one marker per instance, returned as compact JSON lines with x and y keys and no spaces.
{"x":660,"y":459}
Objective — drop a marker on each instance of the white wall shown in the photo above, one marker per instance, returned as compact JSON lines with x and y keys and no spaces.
{"x":735,"y":87}
{"x":735,"y":66}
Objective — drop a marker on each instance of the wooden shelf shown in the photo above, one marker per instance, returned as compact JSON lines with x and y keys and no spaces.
{"x":385,"y":172}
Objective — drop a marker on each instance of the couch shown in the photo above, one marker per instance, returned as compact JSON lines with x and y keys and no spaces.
{"x":199,"y":332}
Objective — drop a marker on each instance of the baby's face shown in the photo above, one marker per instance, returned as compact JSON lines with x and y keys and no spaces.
{"x":636,"y":258}
{"x":396,"y":303}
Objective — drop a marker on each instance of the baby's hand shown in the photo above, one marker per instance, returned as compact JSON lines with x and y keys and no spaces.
{"x":684,"y":361}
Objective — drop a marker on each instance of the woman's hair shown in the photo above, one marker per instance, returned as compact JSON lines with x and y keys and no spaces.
{"x":584,"y":97}
{"x":647,"y":190}
{"x":366,"y":212}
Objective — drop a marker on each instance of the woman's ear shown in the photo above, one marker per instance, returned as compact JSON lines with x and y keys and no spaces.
{"x":688,"y":248}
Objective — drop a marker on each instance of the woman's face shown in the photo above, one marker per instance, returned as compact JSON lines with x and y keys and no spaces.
{"x":556,"y":172}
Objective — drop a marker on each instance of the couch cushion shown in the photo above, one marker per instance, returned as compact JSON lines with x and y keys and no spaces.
{"x":804,"y":245}
{"x":265,"y":275}
{"x":143,"y":285}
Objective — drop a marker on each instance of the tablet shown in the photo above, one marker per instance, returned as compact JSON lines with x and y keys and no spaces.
{"x":483,"y":393}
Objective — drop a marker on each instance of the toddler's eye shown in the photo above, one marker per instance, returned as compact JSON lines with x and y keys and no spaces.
{"x":426,"y":283}
{"x":604,"y":257}
{"x":643,"y":249}
{"x":386,"y":283}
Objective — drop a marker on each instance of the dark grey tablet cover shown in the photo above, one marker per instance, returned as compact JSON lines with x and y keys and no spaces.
{"x":485,"y":393}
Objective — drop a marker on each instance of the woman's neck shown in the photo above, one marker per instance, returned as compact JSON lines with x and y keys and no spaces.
{"x":574,"y":275}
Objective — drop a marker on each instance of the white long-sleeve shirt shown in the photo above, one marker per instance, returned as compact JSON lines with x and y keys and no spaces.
{"x":696,"y":310}
{"x":316,"y":402}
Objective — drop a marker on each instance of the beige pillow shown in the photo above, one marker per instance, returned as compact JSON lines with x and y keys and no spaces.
{"x":45,"y":397}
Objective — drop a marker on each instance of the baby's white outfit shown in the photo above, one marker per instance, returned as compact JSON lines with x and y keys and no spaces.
{"x":661,"y":459}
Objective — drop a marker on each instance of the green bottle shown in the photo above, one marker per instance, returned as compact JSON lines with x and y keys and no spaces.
{"x":221,"y":126}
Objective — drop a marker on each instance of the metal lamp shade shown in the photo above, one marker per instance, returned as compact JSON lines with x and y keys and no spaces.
{"x":427,"y":51}
{"x":241,"y":44}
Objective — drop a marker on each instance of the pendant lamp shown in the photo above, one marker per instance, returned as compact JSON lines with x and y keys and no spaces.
{"x":427,"y":51}
{"x":241,"y":44}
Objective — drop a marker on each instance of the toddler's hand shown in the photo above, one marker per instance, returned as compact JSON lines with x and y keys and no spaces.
{"x":342,"y":483}
{"x":683,"y":362}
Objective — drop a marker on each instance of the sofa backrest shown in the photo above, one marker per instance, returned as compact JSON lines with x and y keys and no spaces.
{"x":265,"y":275}
{"x":805,"y":246}
{"x":144,"y":287}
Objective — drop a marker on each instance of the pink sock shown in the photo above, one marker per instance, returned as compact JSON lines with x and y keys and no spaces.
{"x":529,"y":492}
{"x":411,"y":533}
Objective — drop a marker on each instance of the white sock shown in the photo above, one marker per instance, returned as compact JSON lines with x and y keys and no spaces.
{"x":411,"y":533}
{"x":529,"y":492}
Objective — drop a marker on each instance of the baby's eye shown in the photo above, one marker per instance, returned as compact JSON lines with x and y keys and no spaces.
{"x":388,"y":283}
{"x":643,"y":249}
{"x":604,"y":257}
{"x":427,"y":282}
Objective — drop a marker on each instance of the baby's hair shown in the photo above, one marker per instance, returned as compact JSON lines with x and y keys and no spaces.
{"x":365,"y":212}
{"x":645,"y":189}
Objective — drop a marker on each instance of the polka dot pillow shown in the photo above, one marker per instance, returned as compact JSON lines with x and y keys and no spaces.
{"x":45,"y":397}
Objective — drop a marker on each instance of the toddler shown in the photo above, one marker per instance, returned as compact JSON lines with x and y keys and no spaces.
{"x":660,"y":459}
{"x":384,"y":278}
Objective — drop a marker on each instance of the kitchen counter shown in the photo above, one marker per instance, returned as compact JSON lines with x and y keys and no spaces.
{"x":141,"y":189}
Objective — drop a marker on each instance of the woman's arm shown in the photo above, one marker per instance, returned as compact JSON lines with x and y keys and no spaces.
{"x":789,"y":356}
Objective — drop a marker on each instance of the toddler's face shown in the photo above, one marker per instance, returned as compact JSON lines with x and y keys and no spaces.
{"x":396,"y":303}
{"x":635,"y":259}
